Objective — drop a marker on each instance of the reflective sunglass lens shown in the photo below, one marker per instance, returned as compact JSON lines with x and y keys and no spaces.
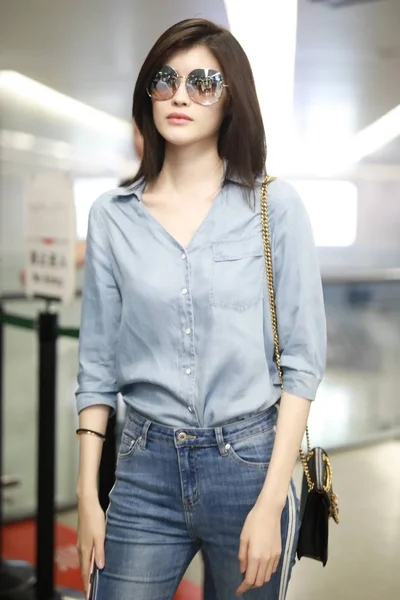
{"x":164,"y":84}
{"x":205,"y":86}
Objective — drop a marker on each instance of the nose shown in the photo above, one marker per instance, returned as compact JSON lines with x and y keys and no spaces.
{"x":181,"y":97}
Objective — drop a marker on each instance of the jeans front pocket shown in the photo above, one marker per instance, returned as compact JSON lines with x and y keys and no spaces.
{"x":253,"y":451}
{"x":237,"y":273}
{"x":128,"y":445}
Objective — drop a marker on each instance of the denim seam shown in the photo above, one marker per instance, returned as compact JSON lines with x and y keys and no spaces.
{"x":131,"y":451}
{"x":256,"y":465}
{"x":106,"y":522}
{"x":196,"y":495}
{"x":187,"y":506}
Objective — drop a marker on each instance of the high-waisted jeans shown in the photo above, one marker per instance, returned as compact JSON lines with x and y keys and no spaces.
{"x":182,"y":490}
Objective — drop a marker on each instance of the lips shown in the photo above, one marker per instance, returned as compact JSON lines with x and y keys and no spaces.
{"x":179,"y":117}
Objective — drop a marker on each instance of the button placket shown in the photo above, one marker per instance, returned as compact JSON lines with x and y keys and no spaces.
{"x":187,"y":330}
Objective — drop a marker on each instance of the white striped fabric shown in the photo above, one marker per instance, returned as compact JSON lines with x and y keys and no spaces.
{"x":289,"y":546}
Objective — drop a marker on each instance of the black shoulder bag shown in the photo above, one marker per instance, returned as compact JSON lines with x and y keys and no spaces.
{"x":318,"y":501}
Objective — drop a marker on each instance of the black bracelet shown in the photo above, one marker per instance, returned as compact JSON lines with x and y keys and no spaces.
{"x":91,"y":432}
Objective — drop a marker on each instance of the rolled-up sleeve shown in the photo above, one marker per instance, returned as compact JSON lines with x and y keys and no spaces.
{"x":100,"y":320}
{"x":299,"y":295}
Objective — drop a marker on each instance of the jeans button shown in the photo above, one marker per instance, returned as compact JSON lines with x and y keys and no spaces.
{"x":182,"y":436}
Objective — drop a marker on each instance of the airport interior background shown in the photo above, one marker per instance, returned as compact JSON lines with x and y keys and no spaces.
{"x":328,"y":77}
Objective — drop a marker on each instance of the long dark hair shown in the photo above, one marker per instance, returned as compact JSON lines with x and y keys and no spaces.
{"x":241,"y":141}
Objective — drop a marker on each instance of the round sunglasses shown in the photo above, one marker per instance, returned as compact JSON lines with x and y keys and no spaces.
{"x":204,"y":86}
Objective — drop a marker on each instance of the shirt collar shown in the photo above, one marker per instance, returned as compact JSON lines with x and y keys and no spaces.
{"x":134,"y":189}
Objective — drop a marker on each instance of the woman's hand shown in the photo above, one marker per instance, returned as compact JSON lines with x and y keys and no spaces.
{"x":91,"y":535}
{"x":260,"y":546}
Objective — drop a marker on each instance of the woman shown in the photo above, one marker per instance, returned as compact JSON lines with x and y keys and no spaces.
{"x":176,"y":318}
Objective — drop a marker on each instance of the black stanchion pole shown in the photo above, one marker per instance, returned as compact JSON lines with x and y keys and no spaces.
{"x":48,"y":325}
{"x":107,"y":463}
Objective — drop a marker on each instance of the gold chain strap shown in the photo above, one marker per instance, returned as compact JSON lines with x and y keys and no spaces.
{"x":271,"y":294}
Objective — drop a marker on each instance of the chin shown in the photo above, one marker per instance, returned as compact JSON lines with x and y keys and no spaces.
{"x":181,"y":138}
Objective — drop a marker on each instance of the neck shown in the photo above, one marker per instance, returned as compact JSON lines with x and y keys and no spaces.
{"x":191,"y":171}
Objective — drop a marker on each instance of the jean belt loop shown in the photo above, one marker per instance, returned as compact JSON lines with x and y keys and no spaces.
{"x":143,"y":437}
{"x":220,"y":441}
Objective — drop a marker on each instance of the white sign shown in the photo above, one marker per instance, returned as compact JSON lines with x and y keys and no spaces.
{"x":50,"y":237}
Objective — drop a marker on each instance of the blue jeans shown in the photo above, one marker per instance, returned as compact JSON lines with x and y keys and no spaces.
{"x":180,"y":491}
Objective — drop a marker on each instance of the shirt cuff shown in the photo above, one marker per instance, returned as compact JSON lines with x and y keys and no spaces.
{"x":87,"y":399}
{"x":300,"y":384}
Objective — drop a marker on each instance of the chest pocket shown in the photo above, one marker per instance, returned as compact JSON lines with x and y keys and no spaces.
{"x":237,"y":274}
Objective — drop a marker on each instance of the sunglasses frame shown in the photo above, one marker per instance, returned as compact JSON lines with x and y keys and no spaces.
{"x":186,"y":77}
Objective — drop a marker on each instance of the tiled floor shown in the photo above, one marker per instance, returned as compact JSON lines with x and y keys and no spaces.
{"x":365,"y":547}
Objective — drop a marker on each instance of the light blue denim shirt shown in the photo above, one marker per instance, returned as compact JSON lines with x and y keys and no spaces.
{"x":184,"y":334}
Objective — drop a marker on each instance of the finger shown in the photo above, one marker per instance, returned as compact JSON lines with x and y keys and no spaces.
{"x":276,"y":565}
{"x":243,"y":555}
{"x":268,"y":571}
{"x":261,"y":573}
{"x":251,"y":574}
{"x":99,"y":553}
{"x":85,"y":567}
{"x":271,"y":570}
{"x":89,"y":578}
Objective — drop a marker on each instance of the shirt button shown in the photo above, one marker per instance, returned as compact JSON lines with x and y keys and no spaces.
{"x":188,"y":371}
{"x":183,"y":256}
{"x":184,"y":291}
{"x":190,"y":409}
{"x":188,"y":330}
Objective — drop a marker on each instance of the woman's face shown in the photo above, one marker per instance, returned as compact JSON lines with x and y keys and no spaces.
{"x":202,"y":122}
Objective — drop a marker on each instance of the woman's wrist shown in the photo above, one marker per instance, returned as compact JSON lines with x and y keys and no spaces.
{"x":86,"y":491}
{"x":273,"y":499}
